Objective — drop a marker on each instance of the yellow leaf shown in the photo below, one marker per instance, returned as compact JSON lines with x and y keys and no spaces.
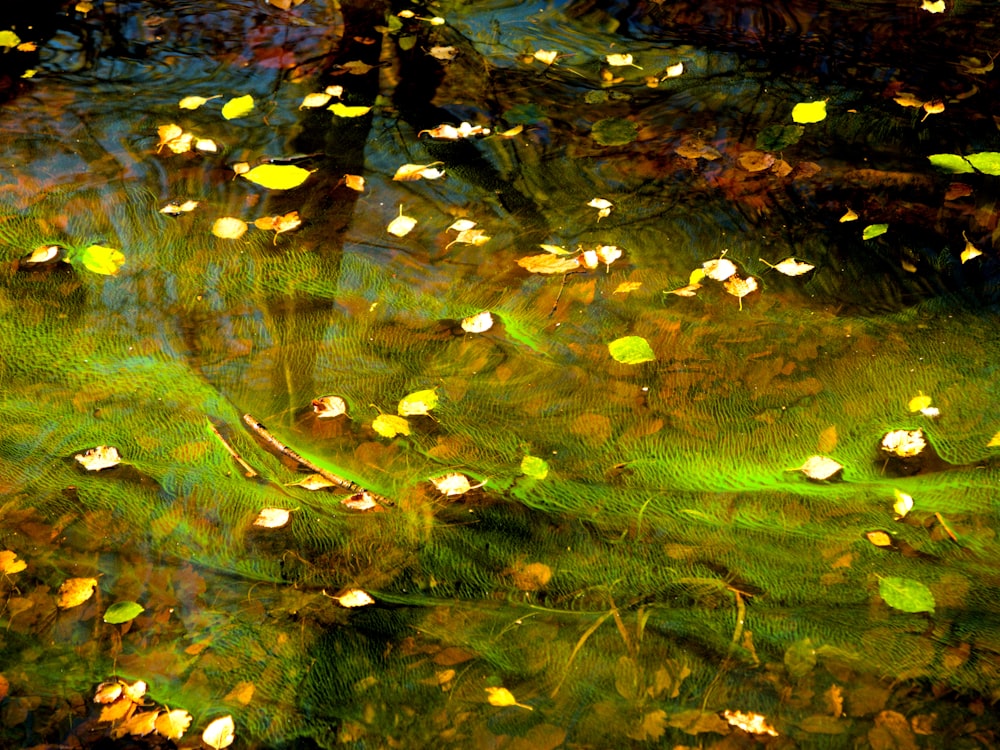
{"x":417,"y":403}
{"x":849,"y":216}
{"x":205,"y":144}
{"x":499,"y":696}
{"x":820,"y":468}
{"x":451,"y":133}
{"x":740,"y":288}
{"x":555,"y":249}
{"x":620,"y":59}
{"x":343,"y":110}
{"x":548,"y":264}
{"x":994,"y":441}
{"x":315,"y":100}
{"x":108,"y":692}
{"x":452,"y":485}
{"x":312,"y":483}
{"x":547,"y":56}
{"x":516,"y":130}
{"x":272,"y":518}
{"x":354,"y":598}
{"x":919,"y":403}
{"x":173,"y":137}
{"x":279,"y":224}
{"x":27,"y":47}
{"x":411,"y":172}
{"x":903,"y":504}
{"x":879,"y":538}
{"x":9,"y":39}
{"x":790,"y":267}
{"x":174,"y":209}
{"x":475,"y":237}
{"x":904,"y":443}
{"x":827,"y":439}
{"x":242,"y":693}
{"x":718,"y":269}
{"x":355,"y":182}
{"x":755,"y":161}
{"x":241,"y":167}
{"x":220,"y":733}
{"x":229,"y":228}
{"x":806,"y":112}
{"x":401,"y":225}
{"x":277,"y":176}
{"x":627,"y":286}
{"x":84,"y":6}
{"x":193,"y":102}
{"x":906,"y":99}
{"x":117,"y":710}
{"x":173,"y":724}
{"x":10,"y":564}
{"x":932,"y":108}
{"x":138,"y":725}
{"x":674,"y":70}
{"x":478,"y":323}
{"x":750,"y":722}
{"x":101,"y":457}
{"x":932,"y":6}
{"x":75,"y":591}
{"x":239,"y":106}
{"x":357,"y":67}
{"x":686,"y":291}
{"x":440,"y":52}
{"x":970,"y":251}
{"x":389,"y":425}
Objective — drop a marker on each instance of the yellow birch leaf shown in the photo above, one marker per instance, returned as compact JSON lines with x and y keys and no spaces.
{"x":174,"y":209}
{"x":239,"y":106}
{"x":101,"y":457}
{"x":790,"y":267}
{"x":318,"y":99}
{"x":452,"y":485}
{"x":548,"y":264}
{"x":417,"y":403}
{"x":193,"y":102}
{"x":138,"y":725}
{"x":904,"y":443}
{"x":206,"y":144}
{"x":116,"y":710}
{"x":478,"y":323}
{"x":328,"y":407}
{"x":173,"y":724}
{"x":277,"y":176}
{"x":173,"y":137}
{"x":620,"y":59}
{"x":547,"y":56}
{"x":475,"y":237}
{"x":555,"y":249}
{"x":718,"y":269}
{"x":241,"y":167}
{"x":401,"y":225}
{"x":355,"y":182}
{"x":272,"y":518}
{"x":755,"y":161}
{"x":673,"y":71}
{"x":108,"y":692}
{"x":412,"y":172}
{"x":686,"y":291}
{"x":220,"y":733}
{"x":750,"y":722}
{"x":362,"y":501}
{"x":879,"y":538}
{"x":279,"y":224}
{"x":903,"y":504}
{"x":970,"y":251}
{"x":935,"y":107}
{"x":919,"y":403}
{"x":932,"y":6}
{"x":312,"y":483}
{"x":627,"y":286}
{"x":389,"y":425}
{"x":500,"y":696}
{"x":9,"y":39}
{"x":357,"y":67}
{"x":344,"y":110}
{"x":807,"y":112}
{"x":820,"y":468}
{"x":354,"y":598}
{"x":10,"y":564}
{"x":906,"y":99}
{"x":229,"y":228}
{"x":740,"y":288}
{"x":75,"y":591}
{"x":516,"y":130}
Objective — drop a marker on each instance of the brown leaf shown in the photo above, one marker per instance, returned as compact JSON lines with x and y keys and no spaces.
{"x":241,"y":693}
{"x":548,"y":264}
{"x":532,"y":576}
{"x":755,"y":161}
{"x":820,"y":724}
{"x":891,"y":732}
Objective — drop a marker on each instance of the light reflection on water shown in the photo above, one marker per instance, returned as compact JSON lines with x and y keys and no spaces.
{"x":670,"y":566}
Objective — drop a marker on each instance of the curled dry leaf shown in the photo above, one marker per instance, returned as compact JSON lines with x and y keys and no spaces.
{"x":354,"y":598}
{"x":75,"y":591}
{"x":328,"y":407}
{"x":220,"y":733}
{"x":970,"y":251}
{"x":478,"y":323}
{"x":789,"y":266}
{"x":44,"y":253}
{"x":272,"y":518}
{"x":101,"y":457}
{"x":548,"y":264}
{"x":453,"y":485}
{"x":820,"y":468}
{"x":173,"y":724}
{"x":739,"y":287}
{"x":355,"y":182}
{"x":904,"y":443}
{"x":229,"y":228}
{"x":9,"y":563}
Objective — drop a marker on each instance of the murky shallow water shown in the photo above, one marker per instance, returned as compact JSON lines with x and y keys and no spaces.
{"x":670,"y":565}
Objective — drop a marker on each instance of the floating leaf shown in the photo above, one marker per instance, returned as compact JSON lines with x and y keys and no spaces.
{"x":932,"y":6}
{"x":174,"y":209}
{"x":101,"y":457}
{"x":9,"y":563}
{"x":220,"y":733}
{"x":951,"y":163}
{"x":452,"y":485}
{"x":849,"y":215}
{"x":475,"y":237}
{"x":602,"y":205}
{"x":354,"y":598}
{"x":343,"y":110}
{"x":627,"y":286}
{"x":906,"y":594}
{"x":548,"y":264}
{"x":279,"y":224}
{"x":673,"y":71}
{"x":117,"y":710}
{"x":328,"y":407}
{"x":193,"y":102}
{"x":807,"y":112}
{"x":108,"y":692}
{"x":621,"y":59}
{"x":820,"y":468}
{"x":355,"y":182}
{"x":452,"y":133}
{"x":718,"y":269}
{"x":755,"y":161}
{"x":987,"y":162}
{"x":739,"y":287}
{"x":790,"y":267}
{"x":120,"y":612}
{"x":970,"y":251}
{"x":44,"y":254}
{"x":547,"y":56}
{"x":614,"y":131}
{"x":904,"y":443}
{"x":357,"y":67}
{"x":631,"y":350}
{"x":362,"y":501}
{"x":478,"y":323}
{"x":277,"y":176}
{"x":499,"y":696}
{"x":417,"y":403}
{"x":272,"y":518}
{"x":903,"y":504}
{"x":389,"y":425}
{"x":874,"y":230}
{"x":318,"y":99}
{"x":462,"y":225}
{"x":238,"y":107}
{"x":401,"y":225}
{"x":75,"y":591}
{"x":692,"y":147}
{"x":919,"y":403}
{"x":750,"y":722}
{"x":412,"y":172}
{"x":229,"y":228}
{"x":206,"y":144}
{"x":880,"y":538}
{"x":100,"y":259}
{"x":138,"y":725}
{"x":994,"y":441}
{"x":440,"y":52}
{"x":608,"y":254}
{"x":555,"y":249}
{"x":173,"y":724}
{"x":534,"y":467}
{"x":9,"y":39}
{"x":313,"y":482}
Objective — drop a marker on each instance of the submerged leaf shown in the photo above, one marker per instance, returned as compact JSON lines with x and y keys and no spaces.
{"x":614,"y":131}
{"x":452,"y":485}
{"x":389,"y":425}
{"x":412,"y":172}
{"x":906,"y":595}
{"x":344,"y":110}
{"x":120,"y":612}
{"x":903,"y":504}
{"x":277,"y":176}
{"x":75,"y":591}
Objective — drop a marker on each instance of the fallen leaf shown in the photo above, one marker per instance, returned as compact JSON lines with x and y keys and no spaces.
{"x":122,"y":612}
{"x":317,"y":99}
{"x":750,"y":722}
{"x":452,"y":133}
{"x":355,"y":182}
{"x":906,"y":99}
{"x":462,"y":225}
{"x":547,"y":56}
{"x":500,"y":696}
{"x":478,"y":323}
{"x":413,"y":172}
{"x":173,"y":724}
{"x":970,"y":251}
{"x":344,"y":110}
{"x":354,"y":598}
{"x":919,"y":402}
{"x":534,"y":467}
{"x":739,"y":287}
{"x":241,"y":693}
{"x":277,"y":176}
{"x":193,"y":102}
{"x":75,"y":591}
{"x":994,"y":441}
{"x":880,"y":538}
{"x":206,"y":144}
{"x":631,"y":350}
{"x":903,"y":504}
{"x":313,"y":482}
{"x":328,"y":407}
{"x":389,"y":425}
{"x":602,"y":205}
{"x":511,"y":132}
{"x":874,"y":230}
{"x":627,"y":286}
{"x":906,"y":594}
{"x":10,"y":564}
{"x":241,"y":168}
{"x":357,"y":67}
{"x":548,"y":264}
{"x":220,"y":733}
{"x":439,"y":52}
{"x":117,"y":710}
{"x":848,"y":216}
{"x":695,"y":148}
{"x":272,"y":518}
{"x":138,"y":725}
{"x":790,"y":267}
{"x":621,"y":59}
{"x":696,"y":721}
{"x":44,"y":253}
{"x":9,"y":39}
{"x":239,"y":106}
{"x":608,"y":254}
{"x":362,"y":501}
{"x":820,"y":468}
{"x":686,"y":291}
{"x":904,"y":443}
{"x":719,"y":269}
{"x":673,"y":71}
{"x":108,"y":692}
{"x":475,"y":237}
{"x":101,"y":457}
{"x":808,"y":112}
{"x":755,"y":161}
{"x":417,"y":403}
{"x":452,"y":485}
{"x":229,"y":228}
{"x":555,"y":249}
{"x":279,"y":224}
{"x":935,"y":107}
{"x":173,"y":137}
{"x":932,"y":6}
{"x":532,"y":576}
{"x":401,"y":225}
{"x":100,"y":259}
{"x":827,"y":440}
{"x":588,"y":259}
{"x":173,"y":209}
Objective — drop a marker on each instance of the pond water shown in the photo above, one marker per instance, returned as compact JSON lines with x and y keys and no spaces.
{"x":696,"y":481}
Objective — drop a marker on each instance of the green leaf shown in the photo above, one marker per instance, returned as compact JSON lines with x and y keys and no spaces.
{"x":342,"y":110}
{"x":874,"y":230}
{"x":99,"y":259}
{"x":906,"y":594}
{"x":534,"y":467}
{"x":950,"y":162}
{"x":614,"y":131}
{"x":120,"y":612}
{"x":389,"y":425}
{"x":806,"y":112}
{"x":418,"y":402}
{"x":987,"y":162}
{"x":778,"y":137}
{"x":238,"y":107}
{"x":9,"y":39}
{"x":277,"y":176}
{"x":631,"y":350}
